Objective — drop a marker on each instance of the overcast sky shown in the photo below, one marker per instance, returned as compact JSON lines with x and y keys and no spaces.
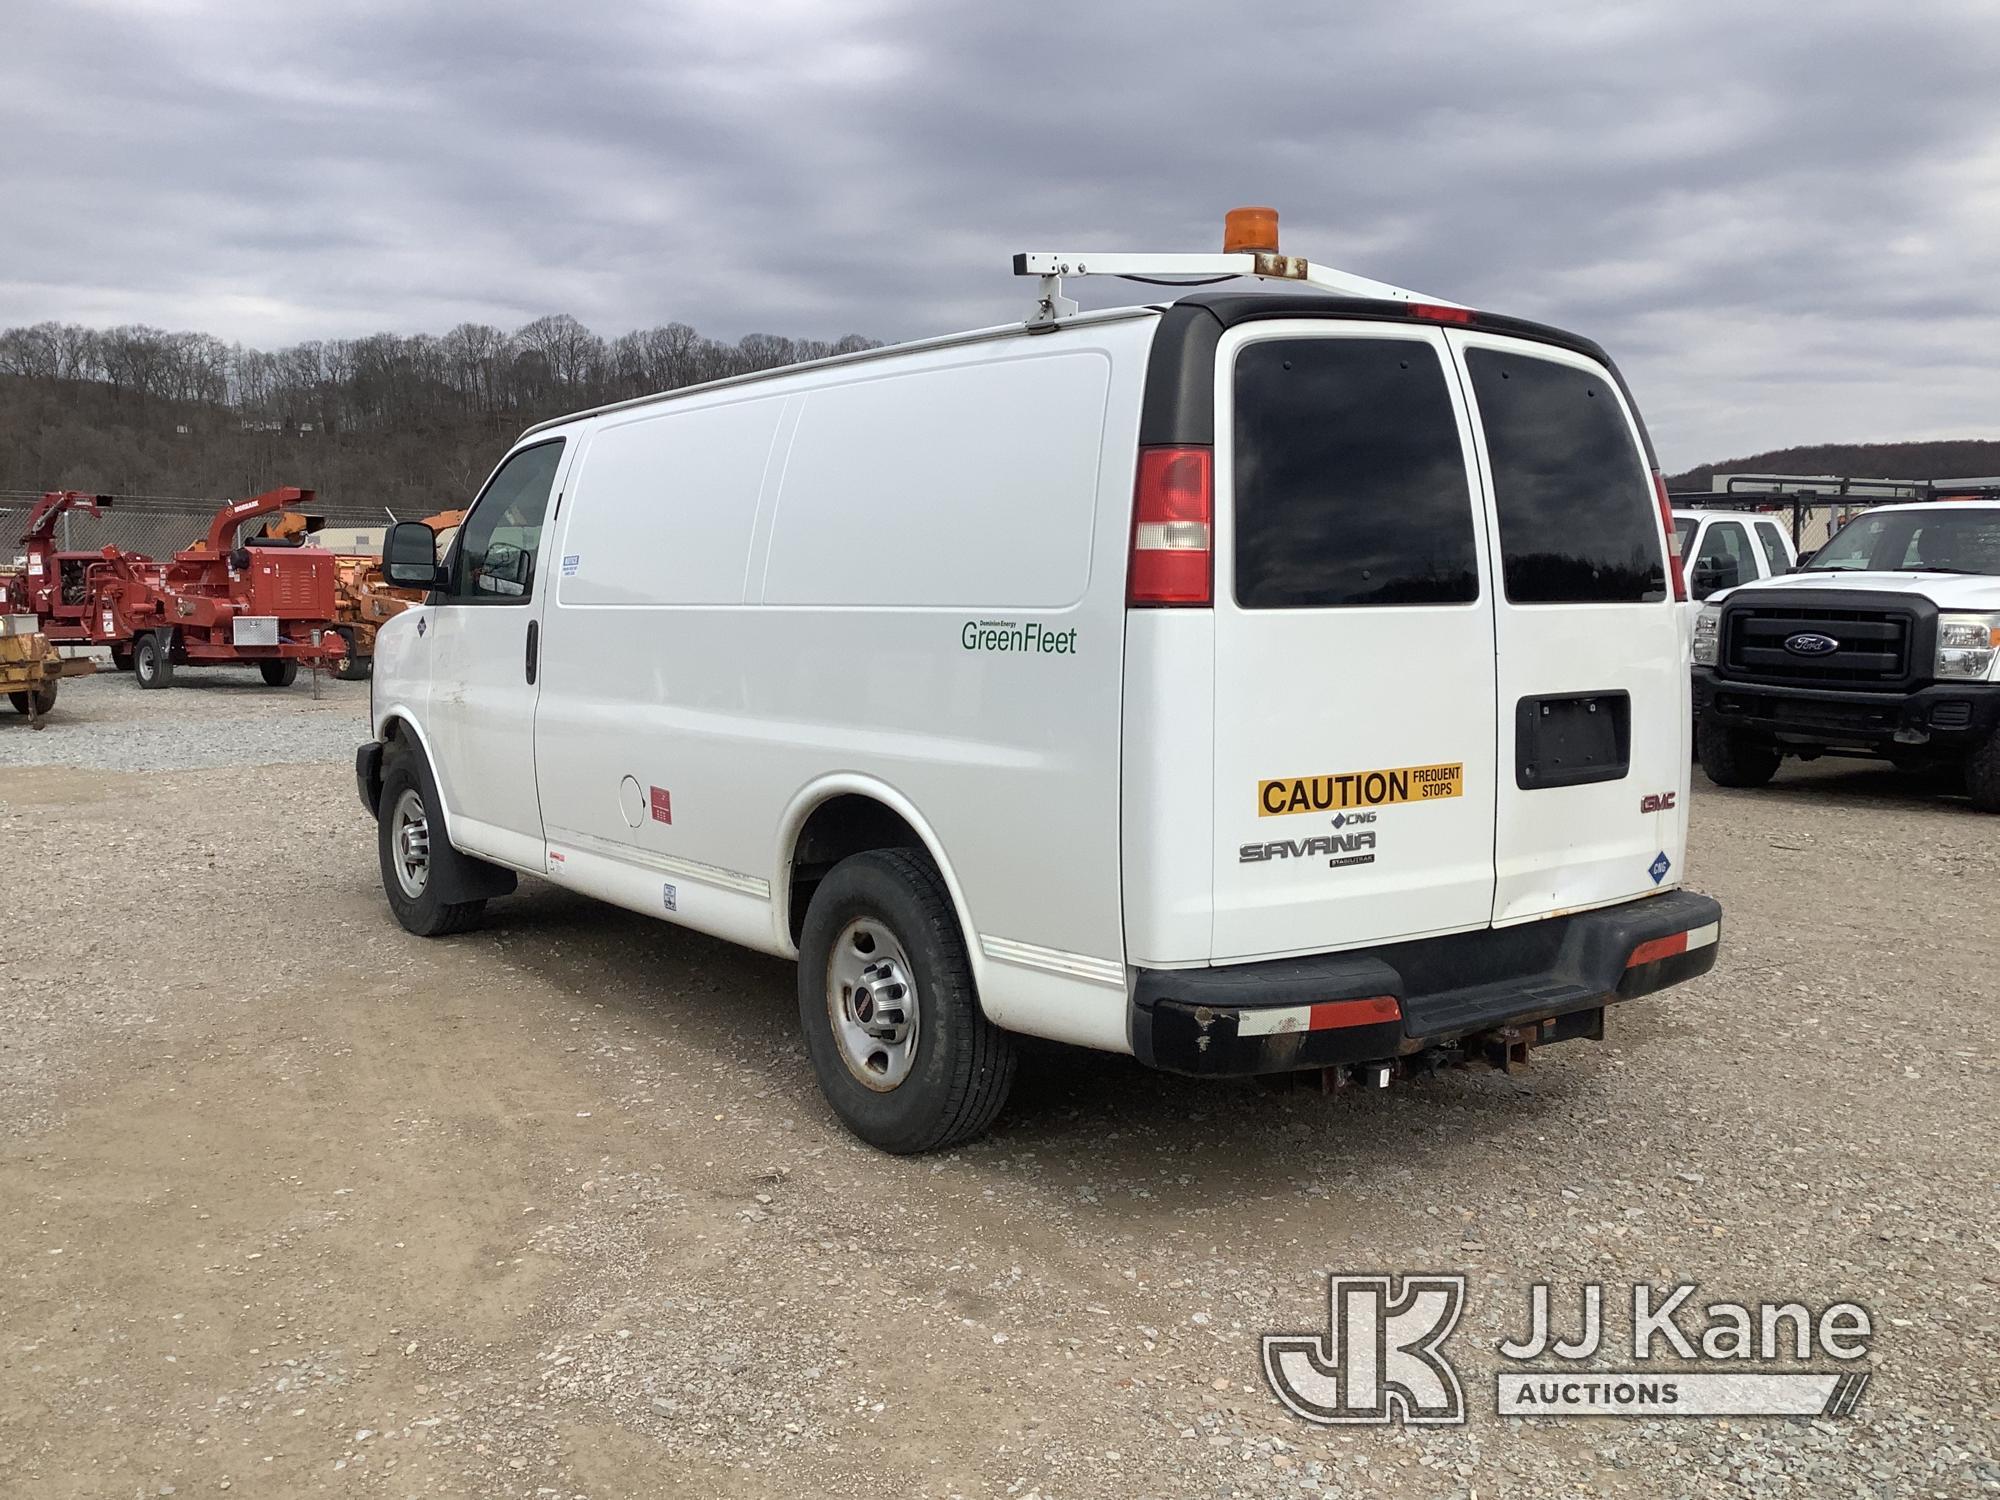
{"x":1782,"y":219}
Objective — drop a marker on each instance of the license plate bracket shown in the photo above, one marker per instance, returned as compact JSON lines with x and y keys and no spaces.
{"x":1572,"y":739}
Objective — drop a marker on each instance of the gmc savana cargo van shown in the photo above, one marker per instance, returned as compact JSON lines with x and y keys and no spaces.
{"x":1260,"y":681}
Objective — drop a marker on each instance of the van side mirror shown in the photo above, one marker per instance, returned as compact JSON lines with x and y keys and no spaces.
{"x":409,"y":556}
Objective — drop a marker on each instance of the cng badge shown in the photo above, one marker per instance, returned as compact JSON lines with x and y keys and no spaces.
{"x":1348,"y":789}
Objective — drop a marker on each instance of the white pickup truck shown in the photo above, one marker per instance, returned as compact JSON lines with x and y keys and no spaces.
{"x":1726,"y":549}
{"x":1884,"y":643}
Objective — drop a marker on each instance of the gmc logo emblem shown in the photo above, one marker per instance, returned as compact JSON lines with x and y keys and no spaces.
{"x":1658,"y":802}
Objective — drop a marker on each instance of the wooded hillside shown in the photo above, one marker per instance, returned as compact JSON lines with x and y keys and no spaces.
{"x":413,"y":423}
{"x":1960,"y":458}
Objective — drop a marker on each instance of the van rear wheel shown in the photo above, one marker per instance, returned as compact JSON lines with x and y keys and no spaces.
{"x":892,"y":1022}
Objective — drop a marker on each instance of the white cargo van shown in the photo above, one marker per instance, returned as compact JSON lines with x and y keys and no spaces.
{"x":1264,"y":680}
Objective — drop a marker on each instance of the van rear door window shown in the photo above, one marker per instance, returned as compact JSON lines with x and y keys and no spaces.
{"x":1579,"y":523}
{"x":1349,"y":477}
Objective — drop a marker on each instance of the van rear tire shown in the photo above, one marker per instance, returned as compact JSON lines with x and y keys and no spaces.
{"x":1736,"y":757}
{"x":892,"y":1022}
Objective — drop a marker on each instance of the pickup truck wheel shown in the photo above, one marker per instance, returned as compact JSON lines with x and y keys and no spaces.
{"x":892,"y":1022}
{"x":410,"y":839}
{"x":1982,"y":774}
{"x":152,"y":660}
{"x":1736,"y":757}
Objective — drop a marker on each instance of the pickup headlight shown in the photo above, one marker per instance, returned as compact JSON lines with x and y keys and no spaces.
{"x":1707,"y":635}
{"x":1966,"y":646}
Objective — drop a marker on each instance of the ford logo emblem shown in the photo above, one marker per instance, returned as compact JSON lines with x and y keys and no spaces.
{"x":1811,"y":643}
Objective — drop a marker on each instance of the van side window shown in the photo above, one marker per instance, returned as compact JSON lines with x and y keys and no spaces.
{"x":1578,"y":520}
{"x":1773,"y":542}
{"x":493,"y":559}
{"x":1349,"y":477}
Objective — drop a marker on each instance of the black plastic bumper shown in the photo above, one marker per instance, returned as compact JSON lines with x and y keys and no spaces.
{"x":1537,"y":983}
{"x":368,"y":776}
{"x":1942,"y":714}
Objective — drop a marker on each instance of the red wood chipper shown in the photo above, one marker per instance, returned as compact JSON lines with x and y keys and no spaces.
{"x":268,"y":602}
{"x":56,"y":586}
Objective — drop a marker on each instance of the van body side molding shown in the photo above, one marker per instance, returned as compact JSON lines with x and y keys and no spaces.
{"x":666,"y":864}
{"x":1103,"y":971}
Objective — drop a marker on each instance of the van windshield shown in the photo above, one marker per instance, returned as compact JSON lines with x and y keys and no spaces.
{"x":1915,"y":541}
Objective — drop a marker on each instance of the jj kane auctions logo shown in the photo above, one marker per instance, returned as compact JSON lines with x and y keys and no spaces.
{"x":1381,"y":1357}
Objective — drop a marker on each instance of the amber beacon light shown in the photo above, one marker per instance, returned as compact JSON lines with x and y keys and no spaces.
{"x":1250,"y":230}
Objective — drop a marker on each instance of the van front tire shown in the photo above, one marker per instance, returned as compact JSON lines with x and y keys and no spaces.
{"x":1736,"y":757}
{"x":413,"y":851}
{"x":892,"y":1022}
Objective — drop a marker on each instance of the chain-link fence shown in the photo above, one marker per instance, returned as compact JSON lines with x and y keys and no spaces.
{"x":159,"y":526}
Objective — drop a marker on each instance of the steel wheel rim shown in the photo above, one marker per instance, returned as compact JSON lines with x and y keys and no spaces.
{"x":410,"y":843}
{"x":871,"y":999}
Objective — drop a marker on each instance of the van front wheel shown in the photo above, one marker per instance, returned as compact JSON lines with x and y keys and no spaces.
{"x":411,"y":844}
{"x":892,"y":1021}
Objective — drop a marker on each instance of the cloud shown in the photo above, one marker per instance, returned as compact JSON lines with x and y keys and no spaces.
{"x":1786,"y":227}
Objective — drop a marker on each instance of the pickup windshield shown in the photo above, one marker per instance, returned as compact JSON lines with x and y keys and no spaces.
{"x":1915,"y":541}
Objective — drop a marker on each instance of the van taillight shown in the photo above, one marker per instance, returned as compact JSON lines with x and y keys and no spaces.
{"x":1673,"y":538}
{"x":1173,"y":513}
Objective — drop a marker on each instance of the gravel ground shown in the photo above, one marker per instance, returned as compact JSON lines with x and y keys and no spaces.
{"x":291,"y":1202}
{"x":211,"y":719}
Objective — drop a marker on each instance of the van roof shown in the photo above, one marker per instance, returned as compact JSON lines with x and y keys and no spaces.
{"x":1178,"y":408}
{"x":859,"y":356}
{"x":1179,"y":405}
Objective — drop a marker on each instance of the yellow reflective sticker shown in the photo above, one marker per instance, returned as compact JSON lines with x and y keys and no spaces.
{"x":1313,"y":794}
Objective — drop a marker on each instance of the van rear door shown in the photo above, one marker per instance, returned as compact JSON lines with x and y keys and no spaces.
{"x":1354,"y":676}
{"x":1592,"y":671}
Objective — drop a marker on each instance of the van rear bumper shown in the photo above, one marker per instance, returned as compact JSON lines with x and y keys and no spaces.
{"x":1536,"y":983}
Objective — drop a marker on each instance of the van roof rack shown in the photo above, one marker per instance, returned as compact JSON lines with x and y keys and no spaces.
{"x":1249,"y":248}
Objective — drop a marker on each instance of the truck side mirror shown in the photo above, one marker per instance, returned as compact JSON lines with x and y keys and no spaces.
{"x":409,"y":556}
{"x":1707,"y":578}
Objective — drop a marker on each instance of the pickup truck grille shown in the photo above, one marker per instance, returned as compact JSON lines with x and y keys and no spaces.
{"x":1873,"y":649}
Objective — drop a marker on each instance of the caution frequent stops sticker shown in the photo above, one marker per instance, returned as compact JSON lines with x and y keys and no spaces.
{"x":1350,"y":789}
